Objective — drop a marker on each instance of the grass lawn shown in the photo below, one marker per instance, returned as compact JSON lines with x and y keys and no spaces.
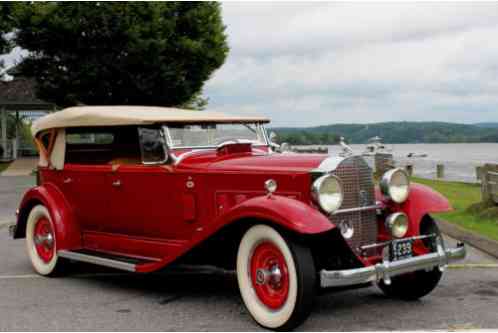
{"x":461,"y":196}
{"x":3,"y":166}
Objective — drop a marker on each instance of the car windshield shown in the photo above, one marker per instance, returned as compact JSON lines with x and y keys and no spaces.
{"x":212,"y":135}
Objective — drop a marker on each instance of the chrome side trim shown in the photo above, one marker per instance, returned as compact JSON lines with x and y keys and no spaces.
{"x":357,"y":209}
{"x":96,"y":260}
{"x":329,"y":164}
{"x":387,"y":269}
{"x":180,"y":157}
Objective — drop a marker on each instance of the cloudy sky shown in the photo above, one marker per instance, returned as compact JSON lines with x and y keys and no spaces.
{"x":306,"y":64}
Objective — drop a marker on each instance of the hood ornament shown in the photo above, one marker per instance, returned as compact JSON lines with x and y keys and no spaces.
{"x":346,"y":150}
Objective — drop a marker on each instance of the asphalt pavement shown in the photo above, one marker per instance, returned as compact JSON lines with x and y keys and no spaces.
{"x":95,"y":299}
{"x":11,"y":192}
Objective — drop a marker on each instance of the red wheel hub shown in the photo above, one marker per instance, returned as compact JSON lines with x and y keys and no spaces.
{"x":44,"y":239}
{"x":269,"y":275}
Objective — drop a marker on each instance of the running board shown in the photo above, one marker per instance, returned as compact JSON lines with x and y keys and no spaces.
{"x":97,"y":260}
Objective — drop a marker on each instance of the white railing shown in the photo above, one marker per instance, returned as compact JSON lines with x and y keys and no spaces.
{"x":488,"y":175}
{"x":8,"y":150}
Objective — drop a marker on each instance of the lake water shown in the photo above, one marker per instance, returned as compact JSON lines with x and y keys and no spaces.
{"x":459,"y":159}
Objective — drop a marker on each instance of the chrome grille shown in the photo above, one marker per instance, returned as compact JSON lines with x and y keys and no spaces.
{"x":357,"y":182}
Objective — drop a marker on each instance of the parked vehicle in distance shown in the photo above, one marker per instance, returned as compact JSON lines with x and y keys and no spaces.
{"x":141,"y":188}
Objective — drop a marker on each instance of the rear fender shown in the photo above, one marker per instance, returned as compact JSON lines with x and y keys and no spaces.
{"x":289,"y":213}
{"x":422,"y":201}
{"x":67,"y":230}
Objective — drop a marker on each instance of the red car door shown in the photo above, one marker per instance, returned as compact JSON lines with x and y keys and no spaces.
{"x":87,"y":190}
{"x":84,"y":179}
{"x":151,"y":208}
{"x":148,"y":203}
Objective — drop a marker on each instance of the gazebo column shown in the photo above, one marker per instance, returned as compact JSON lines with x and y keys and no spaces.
{"x":3,"y":115}
{"x":15,"y":143}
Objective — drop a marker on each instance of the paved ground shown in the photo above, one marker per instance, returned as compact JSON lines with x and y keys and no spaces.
{"x":96,"y":299}
{"x":21,"y":167}
{"x":11,"y":191}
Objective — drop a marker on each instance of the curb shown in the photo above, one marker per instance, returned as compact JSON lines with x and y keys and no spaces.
{"x":482,"y":243}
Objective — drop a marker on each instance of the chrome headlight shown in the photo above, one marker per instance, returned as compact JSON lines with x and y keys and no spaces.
{"x":397,"y":224}
{"x":327,"y":192}
{"x":395,"y":184}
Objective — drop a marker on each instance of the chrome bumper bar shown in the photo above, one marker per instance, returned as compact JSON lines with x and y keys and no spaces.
{"x":387,"y":269}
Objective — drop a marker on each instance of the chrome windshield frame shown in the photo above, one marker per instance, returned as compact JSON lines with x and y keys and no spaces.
{"x":169,"y":139}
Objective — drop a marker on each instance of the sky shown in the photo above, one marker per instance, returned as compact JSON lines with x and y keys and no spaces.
{"x":319,"y":63}
{"x":307,"y":64}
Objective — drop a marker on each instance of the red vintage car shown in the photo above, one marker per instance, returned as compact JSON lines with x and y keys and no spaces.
{"x":142,"y":188}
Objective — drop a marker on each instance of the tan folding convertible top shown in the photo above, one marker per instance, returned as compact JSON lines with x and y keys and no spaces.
{"x":88,"y":116}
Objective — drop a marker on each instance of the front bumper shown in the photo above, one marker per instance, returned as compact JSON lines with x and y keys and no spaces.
{"x":387,"y":269}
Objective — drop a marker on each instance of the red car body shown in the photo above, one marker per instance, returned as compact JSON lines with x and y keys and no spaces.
{"x":90,"y":213}
{"x":197,"y":205}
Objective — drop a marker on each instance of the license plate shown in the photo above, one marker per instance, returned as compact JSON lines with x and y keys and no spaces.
{"x":401,"y":249}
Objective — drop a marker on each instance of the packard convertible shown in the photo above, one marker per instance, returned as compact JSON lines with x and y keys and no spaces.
{"x":142,"y":188}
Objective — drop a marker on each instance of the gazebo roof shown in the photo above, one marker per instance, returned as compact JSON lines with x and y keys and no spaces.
{"x":20,"y":95}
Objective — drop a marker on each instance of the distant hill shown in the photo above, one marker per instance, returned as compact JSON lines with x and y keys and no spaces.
{"x":487,"y":125}
{"x":391,"y":132}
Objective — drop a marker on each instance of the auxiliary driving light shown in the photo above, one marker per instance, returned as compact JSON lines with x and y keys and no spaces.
{"x":397,"y":224}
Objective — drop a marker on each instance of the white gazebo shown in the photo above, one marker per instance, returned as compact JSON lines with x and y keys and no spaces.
{"x":18,"y":101}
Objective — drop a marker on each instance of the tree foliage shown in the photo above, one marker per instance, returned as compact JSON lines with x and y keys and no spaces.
{"x":148,"y":53}
{"x":390,"y":132}
{"x":304,"y":137}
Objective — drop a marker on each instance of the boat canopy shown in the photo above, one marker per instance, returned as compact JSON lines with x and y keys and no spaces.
{"x":90,"y":116}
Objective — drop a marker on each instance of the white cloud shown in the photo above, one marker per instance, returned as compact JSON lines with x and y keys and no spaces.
{"x":309,"y":64}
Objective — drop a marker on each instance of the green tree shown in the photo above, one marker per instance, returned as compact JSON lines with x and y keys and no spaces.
{"x":148,"y":53}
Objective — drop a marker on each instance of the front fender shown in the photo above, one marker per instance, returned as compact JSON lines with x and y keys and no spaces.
{"x":67,"y":230}
{"x":421,"y":201}
{"x":289,"y":213}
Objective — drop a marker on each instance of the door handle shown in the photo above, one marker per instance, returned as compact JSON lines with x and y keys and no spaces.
{"x":116,"y":183}
{"x":68,"y":180}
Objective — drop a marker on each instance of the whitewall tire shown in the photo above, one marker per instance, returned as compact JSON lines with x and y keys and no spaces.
{"x":276,"y":278}
{"x":41,"y":242}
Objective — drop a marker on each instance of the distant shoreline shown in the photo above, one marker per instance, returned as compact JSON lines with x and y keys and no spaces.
{"x":399,"y":143}
{"x":391,"y":133}
{"x":460,"y":159}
